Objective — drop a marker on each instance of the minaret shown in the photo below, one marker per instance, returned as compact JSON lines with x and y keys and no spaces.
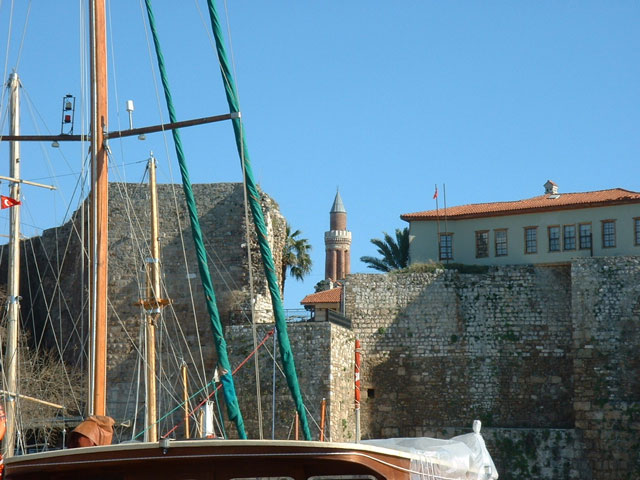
{"x":337,"y":243}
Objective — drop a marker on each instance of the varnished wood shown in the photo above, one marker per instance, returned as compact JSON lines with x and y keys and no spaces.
{"x":152,"y":315}
{"x":185,"y":400}
{"x":99,"y":203}
{"x":213,"y":459}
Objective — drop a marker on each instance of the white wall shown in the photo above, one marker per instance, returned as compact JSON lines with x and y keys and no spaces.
{"x":424,"y":236}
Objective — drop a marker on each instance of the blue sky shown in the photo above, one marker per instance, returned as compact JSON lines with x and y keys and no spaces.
{"x":380,"y":99}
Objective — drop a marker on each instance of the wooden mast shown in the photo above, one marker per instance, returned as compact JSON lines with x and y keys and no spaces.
{"x":185,"y":399}
{"x":152,"y":305}
{"x":152,"y":310}
{"x":13,"y":281}
{"x":99,"y":207}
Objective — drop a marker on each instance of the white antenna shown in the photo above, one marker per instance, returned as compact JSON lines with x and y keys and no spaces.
{"x":130,"y":109}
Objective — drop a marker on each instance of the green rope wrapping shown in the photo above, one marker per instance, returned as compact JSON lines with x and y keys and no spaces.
{"x":233,"y":409}
{"x":258,"y":219}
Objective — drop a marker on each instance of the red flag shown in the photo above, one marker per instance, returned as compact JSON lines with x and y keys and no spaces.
{"x":7,"y":202}
{"x":435,"y":195}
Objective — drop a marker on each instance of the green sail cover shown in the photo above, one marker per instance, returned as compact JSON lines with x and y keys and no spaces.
{"x":258,"y":219}
{"x":233,"y":410}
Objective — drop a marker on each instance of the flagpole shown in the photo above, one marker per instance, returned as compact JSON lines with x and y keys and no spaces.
{"x":446,"y":229}
{"x":435,"y":196}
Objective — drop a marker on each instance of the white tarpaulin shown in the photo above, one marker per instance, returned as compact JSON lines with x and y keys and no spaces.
{"x":462,"y":457}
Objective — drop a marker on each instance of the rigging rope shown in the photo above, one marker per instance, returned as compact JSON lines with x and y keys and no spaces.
{"x":6,"y":58}
{"x":200,"y":368}
{"x":233,"y":409}
{"x":247,"y":358}
{"x":163,"y":333}
{"x":251,"y":287}
{"x":24,"y":34}
{"x":258,"y":219}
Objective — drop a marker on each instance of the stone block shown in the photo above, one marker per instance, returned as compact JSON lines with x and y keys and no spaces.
{"x":597,"y":415}
{"x":582,"y":405}
{"x":613,"y":415}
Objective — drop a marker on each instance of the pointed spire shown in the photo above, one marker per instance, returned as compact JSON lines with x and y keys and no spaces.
{"x":338,"y":206}
{"x":337,"y":242}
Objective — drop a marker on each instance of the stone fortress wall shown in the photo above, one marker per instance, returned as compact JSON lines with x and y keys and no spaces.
{"x":546,"y":351}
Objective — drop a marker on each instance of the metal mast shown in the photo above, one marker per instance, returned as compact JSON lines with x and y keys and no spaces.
{"x":12,"y":356}
{"x":13,"y":287}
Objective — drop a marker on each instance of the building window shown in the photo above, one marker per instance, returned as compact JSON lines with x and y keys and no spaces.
{"x":446,"y":246}
{"x":585,"y":235}
{"x":569,"y":235}
{"x":554,"y":239}
{"x":636,"y":231}
{"x":501,"y":243}
{"x":482,"y":244}
{"x":608,"y":233}
{"x":531,"y":240}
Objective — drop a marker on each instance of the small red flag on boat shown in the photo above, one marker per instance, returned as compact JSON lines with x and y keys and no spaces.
{"x":435,"y":195}
{"x":7,"y":202}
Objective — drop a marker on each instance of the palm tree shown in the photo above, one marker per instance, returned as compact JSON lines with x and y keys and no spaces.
{"x":395,"y":253}
{"x":296,"y":261}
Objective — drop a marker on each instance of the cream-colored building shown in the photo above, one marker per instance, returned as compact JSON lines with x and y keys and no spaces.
{"x":551,"y":228}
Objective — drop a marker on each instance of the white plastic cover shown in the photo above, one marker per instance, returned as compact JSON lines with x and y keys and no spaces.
{"x":462,"y":457}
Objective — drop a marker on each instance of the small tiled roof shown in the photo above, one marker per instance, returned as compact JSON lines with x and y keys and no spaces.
{"x":547,"y":202}
{"x":327,"y":296}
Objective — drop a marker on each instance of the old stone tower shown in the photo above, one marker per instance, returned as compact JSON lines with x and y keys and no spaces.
{"x":337,"y":243}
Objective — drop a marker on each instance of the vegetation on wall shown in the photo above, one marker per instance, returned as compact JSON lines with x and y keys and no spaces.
{"x":431,"y":267}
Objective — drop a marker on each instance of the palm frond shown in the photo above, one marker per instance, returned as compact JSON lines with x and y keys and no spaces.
{"x":375,"y":263}
{"x":296,"y":261}
{"x":394,"y":252}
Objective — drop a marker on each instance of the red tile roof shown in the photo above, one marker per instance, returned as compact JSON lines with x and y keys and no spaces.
{"x":327,"y":296}
{"x":547,"y":202}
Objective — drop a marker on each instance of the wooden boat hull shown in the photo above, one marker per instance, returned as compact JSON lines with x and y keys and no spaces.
{"x":214,"y":460}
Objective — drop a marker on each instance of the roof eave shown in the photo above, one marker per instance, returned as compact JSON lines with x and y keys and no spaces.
{"x":410,"y":217}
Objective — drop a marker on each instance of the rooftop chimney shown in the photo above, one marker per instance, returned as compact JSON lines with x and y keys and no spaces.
{"x":550,"y":188}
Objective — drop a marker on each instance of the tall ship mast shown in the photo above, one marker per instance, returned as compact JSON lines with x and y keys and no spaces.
{"x":99,"y":207}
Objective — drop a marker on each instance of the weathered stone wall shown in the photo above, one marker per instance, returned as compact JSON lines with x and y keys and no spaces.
{"x":606,"y":342}
{"x":185,"y":327}
{"x":323,"y":354}
{"x":445,"y":347}
{"x":554,"y":348}
{"x":342,"y":398}
{"x":311,"y":356}
{"x":531,"y":453}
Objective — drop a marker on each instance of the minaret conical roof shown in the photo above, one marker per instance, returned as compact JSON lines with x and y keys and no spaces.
{"x":338,"y":206}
